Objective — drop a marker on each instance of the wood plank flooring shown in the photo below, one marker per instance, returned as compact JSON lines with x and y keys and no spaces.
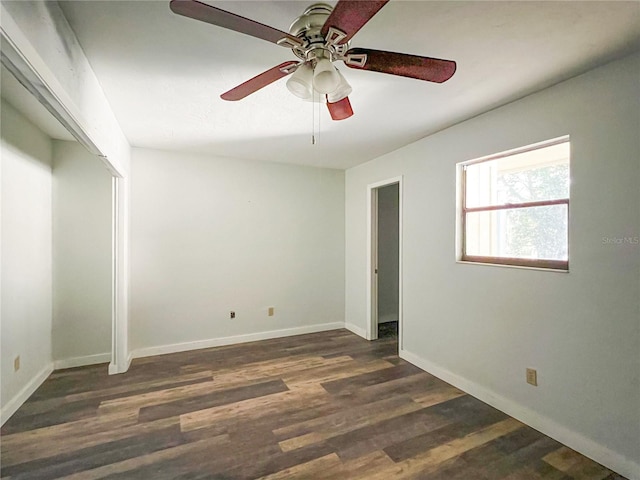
{"x":321,"y":406}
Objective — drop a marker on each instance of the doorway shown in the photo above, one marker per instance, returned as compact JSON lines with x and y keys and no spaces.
{"x":385,"y":260}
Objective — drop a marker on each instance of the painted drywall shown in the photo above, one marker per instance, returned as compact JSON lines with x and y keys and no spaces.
{"x":388,"y":245}
{"x":81,"y":255}
{"x":42,"y":41}
{"x":481,"y":326}
{"x":211,"y":235}
{"x":43,"y":34}
{"x":26,"y":295}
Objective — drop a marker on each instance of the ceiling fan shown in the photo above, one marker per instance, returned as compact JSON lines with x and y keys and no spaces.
{"x":319,"y":37}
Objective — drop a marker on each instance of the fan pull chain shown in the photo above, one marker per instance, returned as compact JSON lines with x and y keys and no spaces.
{"x":315,"y":135}
{"x":313,"y":118}
{"x":319,"y":115}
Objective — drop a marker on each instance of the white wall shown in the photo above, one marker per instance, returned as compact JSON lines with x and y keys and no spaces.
{"x":81,"y":256}
{"x":211,"y":235}
{"x":480,"y":326}
{"x":42,"y":33}
{"x":42,"y":47}
{"x":388,"y":245}
{"x":25,"y":325}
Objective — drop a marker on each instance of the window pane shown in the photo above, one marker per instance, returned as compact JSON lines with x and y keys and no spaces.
{"x":533,"y":232}
{"x":537,"y":175}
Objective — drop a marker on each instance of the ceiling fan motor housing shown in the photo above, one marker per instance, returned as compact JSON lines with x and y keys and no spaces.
{"x":311,"y":20}
{"x":308,"y":28}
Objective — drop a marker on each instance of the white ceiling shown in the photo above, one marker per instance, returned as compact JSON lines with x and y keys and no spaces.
{"x":163,"y":73}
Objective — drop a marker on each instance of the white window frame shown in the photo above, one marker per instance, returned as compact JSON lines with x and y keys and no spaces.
{"x":463,"y":210}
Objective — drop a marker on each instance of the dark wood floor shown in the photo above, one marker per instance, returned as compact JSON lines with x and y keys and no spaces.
{"x":322,"y":406}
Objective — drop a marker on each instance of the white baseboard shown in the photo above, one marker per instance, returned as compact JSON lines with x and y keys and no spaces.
{"x":82,"y":361}
{"x":355,"y":329}
{"x":219,"y":342}
{"x":601,"y":454}
{"x":115,"y":369}
{"x":16,"y":402}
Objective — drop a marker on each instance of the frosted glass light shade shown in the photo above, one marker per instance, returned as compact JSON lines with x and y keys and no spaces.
{"x":325,"y":76}
{"x":301,"y":82}
{"x":342,"y":91}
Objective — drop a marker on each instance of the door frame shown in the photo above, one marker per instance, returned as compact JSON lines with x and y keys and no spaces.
{"x":372,"y":254}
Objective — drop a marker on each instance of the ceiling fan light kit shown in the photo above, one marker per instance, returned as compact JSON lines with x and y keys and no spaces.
{"x":342,"y":91}
{"x":325,"y":76}
{"x":320,"y":36}
{"x":301,"y":82}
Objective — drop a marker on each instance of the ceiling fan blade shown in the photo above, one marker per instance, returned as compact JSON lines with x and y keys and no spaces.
{"x":349,"y":16}
{"x":259,"y":81}
{"x":341,"y":109}
{"x":405,"y":65}
{"x":222,"y":18}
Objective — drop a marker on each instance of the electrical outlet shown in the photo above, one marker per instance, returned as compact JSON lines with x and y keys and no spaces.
{"x":532,"y":377}
{"x":16,"y":364}
{"x":271,"y":311}
{"x":232,"y":314}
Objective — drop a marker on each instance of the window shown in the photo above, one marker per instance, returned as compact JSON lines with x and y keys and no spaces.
{"x":515,"y":207}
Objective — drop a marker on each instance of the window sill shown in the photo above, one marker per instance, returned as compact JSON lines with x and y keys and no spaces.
{"x":522,"y":267}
